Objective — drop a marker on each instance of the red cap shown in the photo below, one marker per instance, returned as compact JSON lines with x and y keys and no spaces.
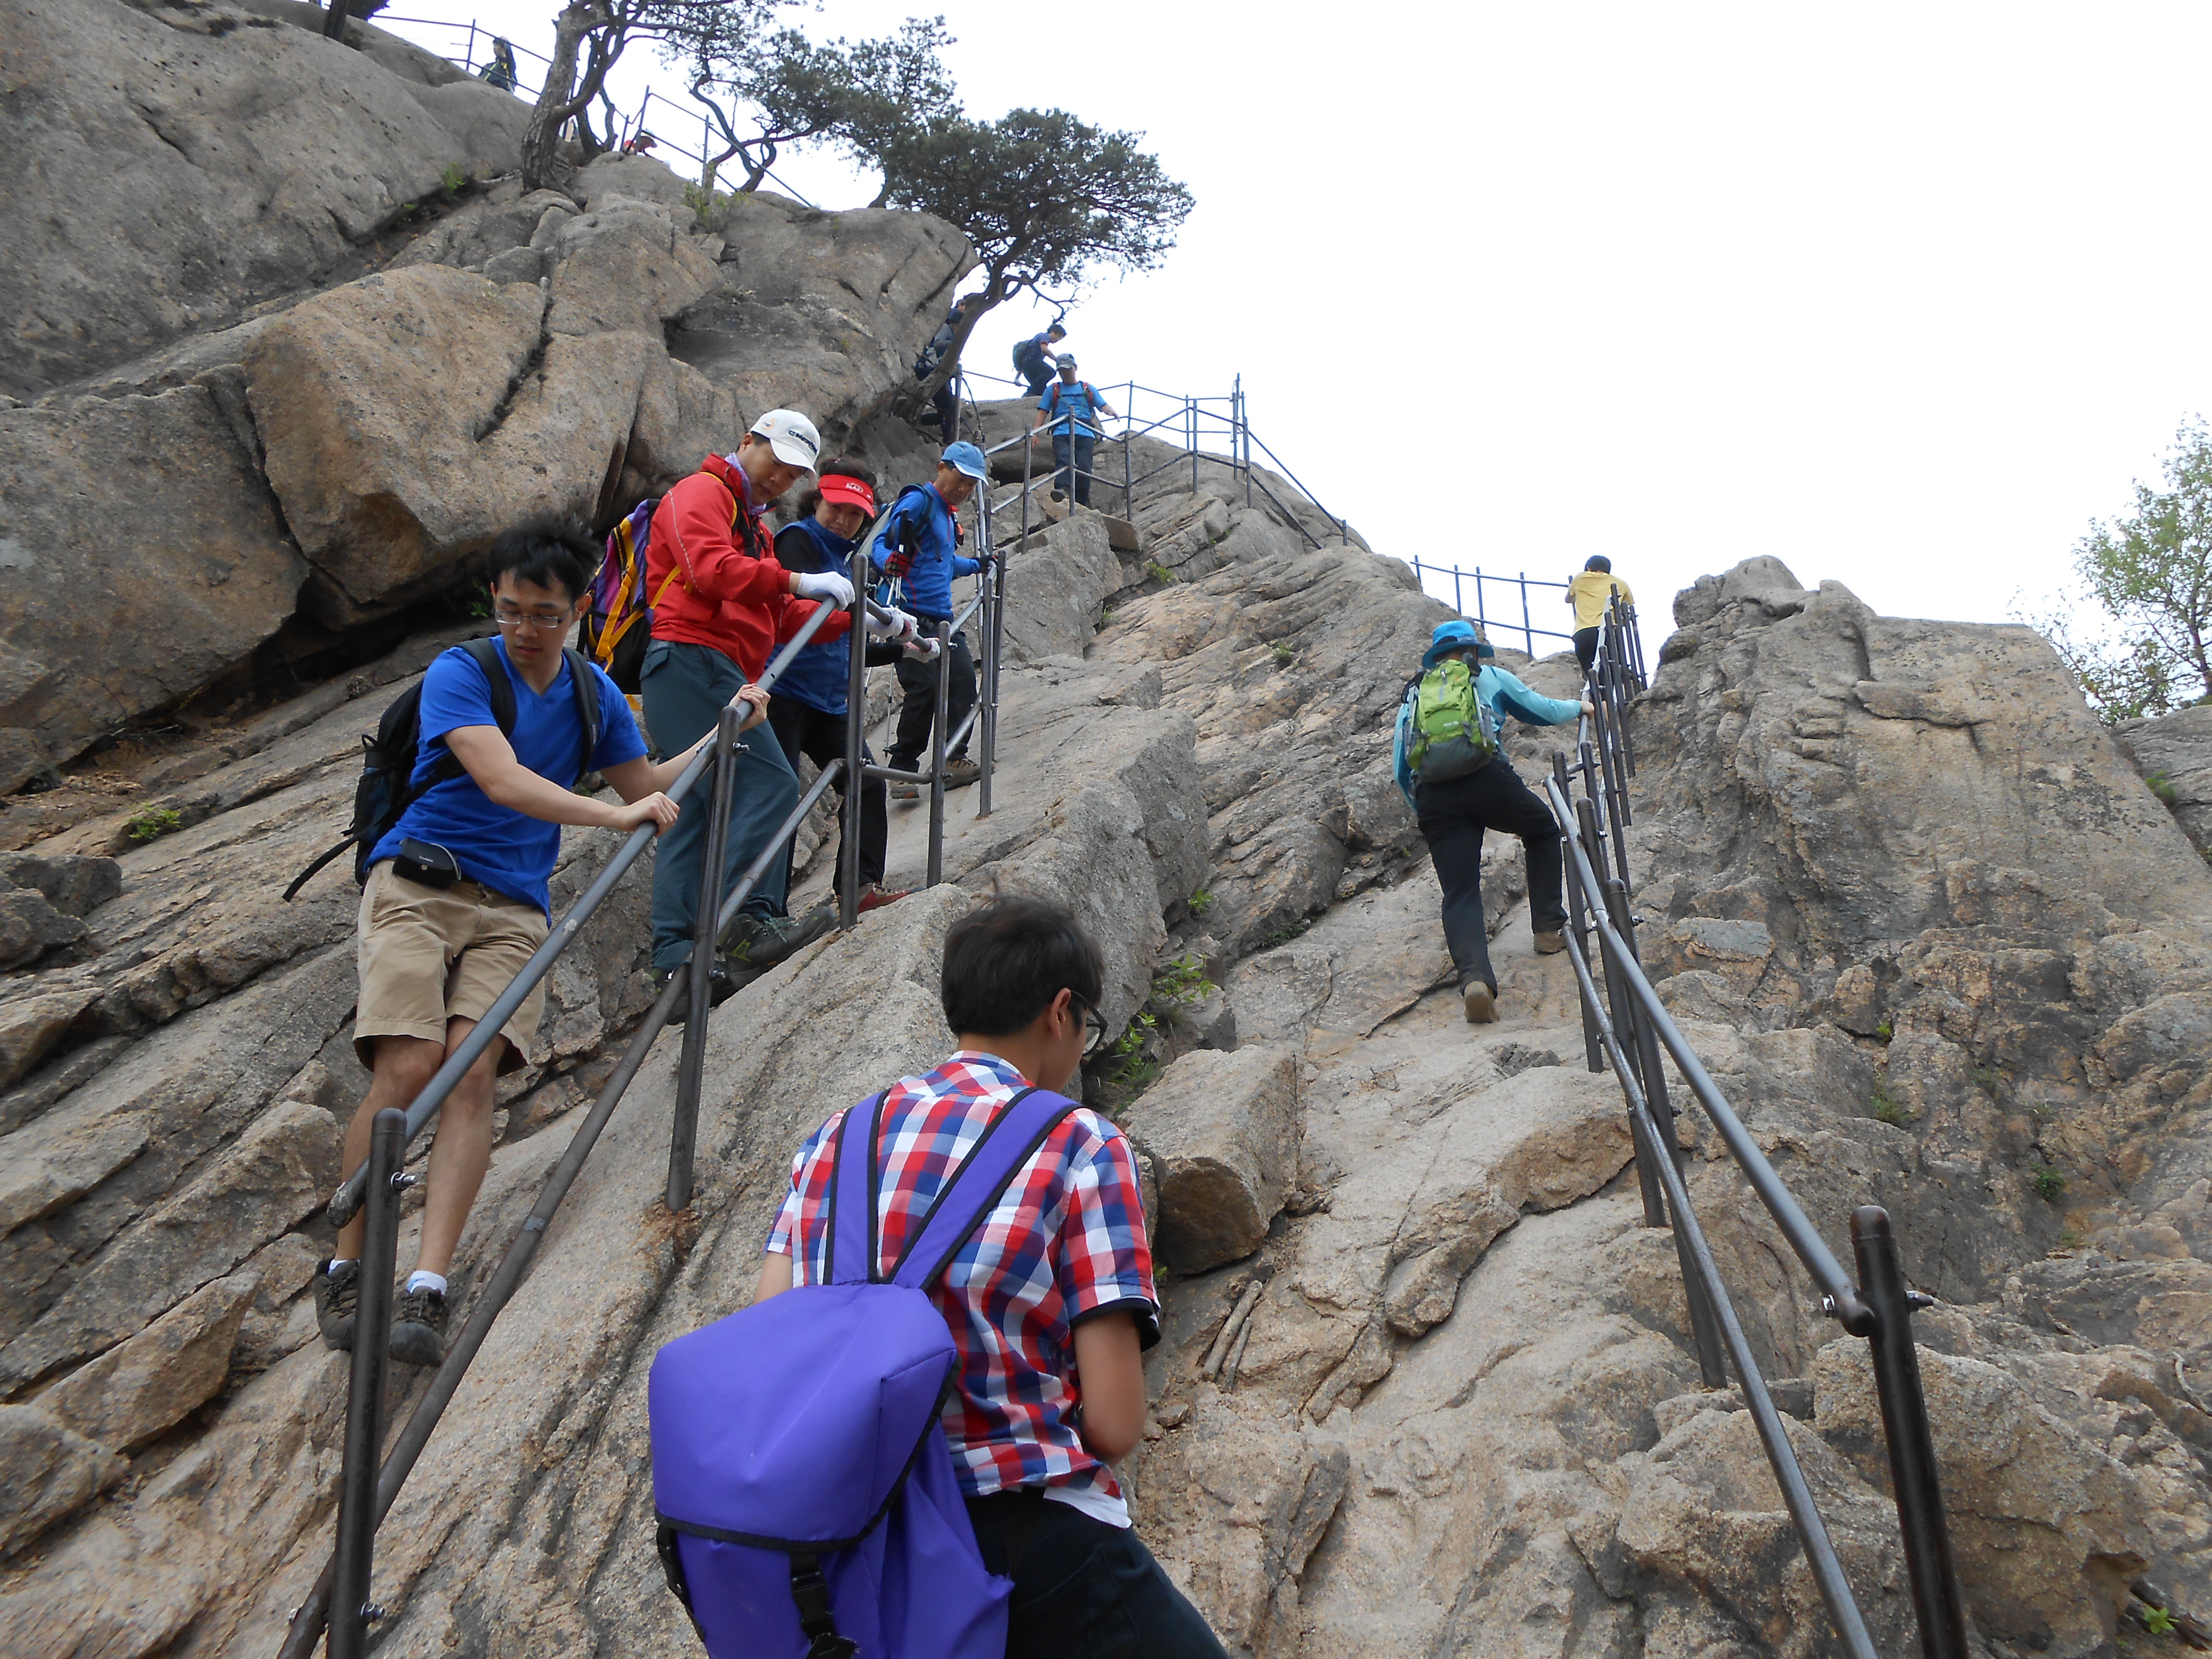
{"x":843,"y":490}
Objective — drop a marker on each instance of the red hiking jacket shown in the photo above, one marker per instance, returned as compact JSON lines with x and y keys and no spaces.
{"x":729,"y":591}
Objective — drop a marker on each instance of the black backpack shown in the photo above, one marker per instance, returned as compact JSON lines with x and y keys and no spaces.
{"x":388,"y":757}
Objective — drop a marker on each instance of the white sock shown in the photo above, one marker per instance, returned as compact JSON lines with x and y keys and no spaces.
{"x":419,"y":1280}
{"x":338,"y":1262}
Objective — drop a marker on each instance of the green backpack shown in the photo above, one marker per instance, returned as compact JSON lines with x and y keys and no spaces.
{"x":1444,"y":736}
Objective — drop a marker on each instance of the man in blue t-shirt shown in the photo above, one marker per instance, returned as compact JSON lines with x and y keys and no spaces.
{"x":1032,"y":356}
{"x":1074,"y":408}
{"x":456,"y":901}
{"x":919,"y":545}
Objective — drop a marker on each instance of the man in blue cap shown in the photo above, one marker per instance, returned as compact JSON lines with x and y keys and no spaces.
{"x":1454,"y":812}
{"x":919,"y":546}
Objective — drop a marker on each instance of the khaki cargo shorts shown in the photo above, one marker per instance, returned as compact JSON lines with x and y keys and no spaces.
{"x":429,"y":954}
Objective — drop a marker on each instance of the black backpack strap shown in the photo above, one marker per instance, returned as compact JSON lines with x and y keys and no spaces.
{"x":307,"y":874}
{"x":586,"y":681}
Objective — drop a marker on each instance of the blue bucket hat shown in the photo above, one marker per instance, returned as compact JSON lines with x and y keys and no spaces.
{"x":1454,"y":635}
{"x":965,"y":456}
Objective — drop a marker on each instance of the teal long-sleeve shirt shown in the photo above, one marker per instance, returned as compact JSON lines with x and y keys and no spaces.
{"x":1498,"y":693}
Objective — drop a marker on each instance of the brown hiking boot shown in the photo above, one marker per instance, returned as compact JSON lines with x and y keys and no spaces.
{"x":1481,"y":1002}
{"x":959,"y":773}
{"x":337,"y":1302}
{"x":1549,"y":945}
{"x":418,"y":1328}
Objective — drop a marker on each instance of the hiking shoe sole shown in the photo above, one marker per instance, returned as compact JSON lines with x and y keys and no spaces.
{"x":1549,"y":945}
{"x":418,"y":1328}
{"x":337,"y":1302}
{"x":1480,"y":1003}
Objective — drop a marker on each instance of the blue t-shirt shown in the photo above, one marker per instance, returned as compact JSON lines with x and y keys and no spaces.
{"x":504,"y":850}
{"x":1072,"y":403}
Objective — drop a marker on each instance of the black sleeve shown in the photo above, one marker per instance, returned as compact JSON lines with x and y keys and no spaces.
{"x":883,"y":653}
{"x":795,"y":551}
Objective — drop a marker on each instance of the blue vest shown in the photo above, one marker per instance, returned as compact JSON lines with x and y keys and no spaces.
{"x":819,"y":674}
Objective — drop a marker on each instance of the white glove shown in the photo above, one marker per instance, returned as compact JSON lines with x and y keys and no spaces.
{"x":823,"y":584}
{"x":922,"y":646}
{"x":897,"y":625}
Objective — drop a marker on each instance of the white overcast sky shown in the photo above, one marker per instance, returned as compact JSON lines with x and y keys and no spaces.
{"x":1903,"y":295}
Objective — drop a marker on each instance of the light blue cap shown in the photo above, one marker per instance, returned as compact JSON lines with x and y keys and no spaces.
{"x":1456,"y":634}
{"x":966,"y":457}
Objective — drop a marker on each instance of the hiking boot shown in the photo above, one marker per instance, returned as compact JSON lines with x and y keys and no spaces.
{"x":906,"y":792}
{"x":1549,"y":945}
{"x":1481,"y":1002}
{"x":874,"y":898}
{"x":418,"y":1328}
{"x":1059,"y":495}
{"x":337,"y":1300}
{"x":771,"y":940}
{"x":959,"y":773}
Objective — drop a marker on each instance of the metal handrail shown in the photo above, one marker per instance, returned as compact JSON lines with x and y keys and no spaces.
{"x":1627,"y":1027}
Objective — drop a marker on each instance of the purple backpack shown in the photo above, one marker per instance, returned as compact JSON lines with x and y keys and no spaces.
{"x":807,"y":1503}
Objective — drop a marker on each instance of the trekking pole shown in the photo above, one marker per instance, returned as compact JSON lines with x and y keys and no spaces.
{"x":364,"y":1430}
{"x":1920,"y":1519}
{"x":684,"y":1135}
{"x":938,"y":733}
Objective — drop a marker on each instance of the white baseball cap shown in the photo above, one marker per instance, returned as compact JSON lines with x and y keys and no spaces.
{"x":791,"y":435}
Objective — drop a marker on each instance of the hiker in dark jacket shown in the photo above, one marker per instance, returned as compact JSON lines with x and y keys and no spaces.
{"x":920,"y":545}
{"x":1033,"y":358}
{"x":807,"y":710}
{"x":1453,"y":815}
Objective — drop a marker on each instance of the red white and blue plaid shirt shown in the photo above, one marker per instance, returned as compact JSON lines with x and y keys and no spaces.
{"x":1066,"y":1241}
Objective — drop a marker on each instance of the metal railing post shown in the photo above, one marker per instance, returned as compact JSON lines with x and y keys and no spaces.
{"x":856,"y":711}
{"x":364,"y":1430}
{"x":1527,"y":623}
{"x":1579,"y":922}
{"x":469,"y":51}
{"x":940,"y":729}
{"x":1190,"y":419}
{"x":1928,"y":1558}
{"x":1705,"y":1329}
{"x":684,"y":1135}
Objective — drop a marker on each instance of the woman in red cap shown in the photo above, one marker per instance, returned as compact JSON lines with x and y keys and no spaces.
{"x":806,"y":709}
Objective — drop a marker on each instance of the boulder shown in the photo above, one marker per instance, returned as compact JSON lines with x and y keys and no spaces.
{"x":133,"y":1392}
{"x":1223,"y":1129}
{"x":1054,"y":588}
{"x":196,"y":159}
{"x":46,"y":1472}
{"x":30,"y":927}
{"x":135,"y":496}
{"x":2174,"y":755}
{"x":2047,"y":1529}
{"x":73,"y":884}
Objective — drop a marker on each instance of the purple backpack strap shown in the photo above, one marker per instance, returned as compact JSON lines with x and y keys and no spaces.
{"x":960,"y":1206}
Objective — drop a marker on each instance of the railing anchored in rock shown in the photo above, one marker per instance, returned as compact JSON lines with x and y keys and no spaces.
{"x":341,"y":1599}
{"x":1627,"y":1027}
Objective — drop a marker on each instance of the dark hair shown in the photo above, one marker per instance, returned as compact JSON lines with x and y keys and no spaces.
{"x":554,"y":551}
{"x":1006,"y":961}
{"x":1598,"y":561}
{"x":1050,"y":328}
{"x":837,"y":466}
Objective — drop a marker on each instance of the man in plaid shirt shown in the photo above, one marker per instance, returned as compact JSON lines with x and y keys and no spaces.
{"x":1050,"y":1301}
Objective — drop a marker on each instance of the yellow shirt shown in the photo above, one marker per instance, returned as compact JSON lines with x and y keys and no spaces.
{"x":1591,"y":593}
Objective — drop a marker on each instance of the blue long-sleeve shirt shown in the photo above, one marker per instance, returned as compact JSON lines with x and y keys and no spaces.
{"x":922,"y":522}
{"x":1497,"y":694}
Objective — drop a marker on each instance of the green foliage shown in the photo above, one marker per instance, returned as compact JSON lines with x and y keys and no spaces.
{"x":1125,"y":1068}
{"x":2049,"y":1181}
{"x":703,"y":201}
{"x":1885,"y":1031}
{"x":865,"y":97}
{"x":2158,"y":1621}
{"x":1285,"y":933}
{"x":453,"y":177}
{"x":1283,"y":654}
{"x":2069,"y":1239}
{"x":1883,"y":1107}
{"x":1183,"y":981}
{"x":2162,"y":787}
{"x":1197,"y":902}
{"x":2150,"y":573}
{"x":479,"y":607}
{"x":1106,"y":617}
{"x":1158,"y":571}
{"x":152,"y":823}
{"x":1045,"y":198}
{"x":1989,"y":1080}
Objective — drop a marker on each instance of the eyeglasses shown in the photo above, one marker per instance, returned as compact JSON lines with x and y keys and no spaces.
{"x":540,"y":619}
{"x":1095,"y":1030}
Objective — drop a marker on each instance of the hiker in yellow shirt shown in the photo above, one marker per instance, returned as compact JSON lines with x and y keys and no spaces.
{"x":1590,"y":594}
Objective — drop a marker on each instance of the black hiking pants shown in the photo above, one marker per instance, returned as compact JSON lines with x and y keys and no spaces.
{"x":803,"y":729}
{"x":918,"y":679}
{"x":1453,"y":816}
{"x":1586,"y":648}
{"x":1082,"y":1586}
